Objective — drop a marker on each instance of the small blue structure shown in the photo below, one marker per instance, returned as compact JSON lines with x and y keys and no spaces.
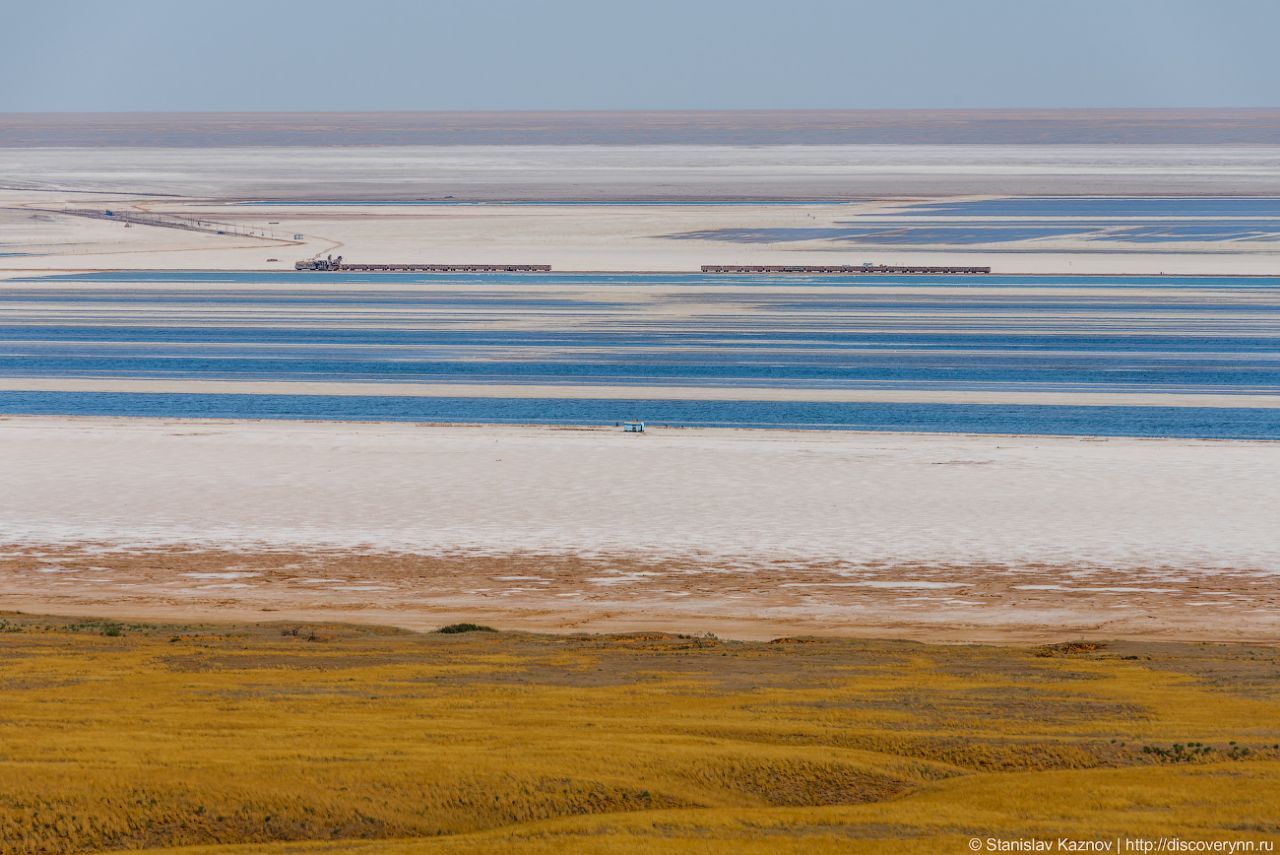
{"x":633,"y":427}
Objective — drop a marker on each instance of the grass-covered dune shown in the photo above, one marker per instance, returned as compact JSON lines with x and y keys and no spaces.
{"x":276,"y":737}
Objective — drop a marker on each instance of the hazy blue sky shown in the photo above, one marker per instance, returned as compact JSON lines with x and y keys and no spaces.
{"x":638,"y":54}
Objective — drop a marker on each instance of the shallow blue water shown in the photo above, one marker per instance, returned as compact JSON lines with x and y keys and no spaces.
{"x":932,"y":418}
{"x":979,"y":362}
{"x":1160,"y":335}
{"x":1112,"y":206}
{"x":1109,"y":219}
{"x":959,"y":354}
{"x":973,"y":234}
{"x":920,"y":374}
{"x":1202,"y":231}
{"x":886,"y":235}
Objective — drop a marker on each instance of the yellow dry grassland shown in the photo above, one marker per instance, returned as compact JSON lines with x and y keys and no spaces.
{"x":287,"y":738}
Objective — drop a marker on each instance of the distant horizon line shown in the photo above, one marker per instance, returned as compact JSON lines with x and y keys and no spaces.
{"x":790,"y":126}
{"x":641,"y":110}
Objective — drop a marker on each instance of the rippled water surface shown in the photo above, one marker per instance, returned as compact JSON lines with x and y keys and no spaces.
{"x":970,"y":338}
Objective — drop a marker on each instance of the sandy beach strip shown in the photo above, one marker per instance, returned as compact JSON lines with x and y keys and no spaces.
{"x":582,"y":391}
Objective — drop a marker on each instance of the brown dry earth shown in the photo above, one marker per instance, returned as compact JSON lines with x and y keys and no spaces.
{"x":627,"y":593}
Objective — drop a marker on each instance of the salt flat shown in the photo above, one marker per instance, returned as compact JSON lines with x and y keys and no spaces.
{"x":206,"y":183}
{"x":741,"y":495}
{"x":671,"y":172}
{"x":748,"y":532}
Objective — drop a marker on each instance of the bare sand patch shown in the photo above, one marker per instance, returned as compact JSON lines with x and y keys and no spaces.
{"x":626,"y":593}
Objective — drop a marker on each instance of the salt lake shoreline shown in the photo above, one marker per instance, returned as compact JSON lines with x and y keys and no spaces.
{"x":922,"y":536}
{"x":571,"y":594}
